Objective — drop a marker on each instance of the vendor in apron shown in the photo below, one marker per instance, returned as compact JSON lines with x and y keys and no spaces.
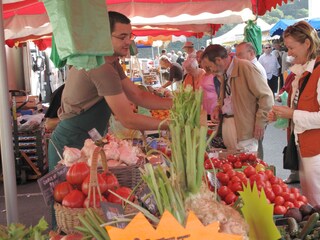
{"x":90,"y":97}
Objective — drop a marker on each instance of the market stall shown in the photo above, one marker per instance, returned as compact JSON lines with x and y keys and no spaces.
{"x":128,"y":7}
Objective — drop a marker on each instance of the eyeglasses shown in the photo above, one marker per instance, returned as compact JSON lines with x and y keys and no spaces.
{"x":267,"y":47}
{"x":124,"y":37}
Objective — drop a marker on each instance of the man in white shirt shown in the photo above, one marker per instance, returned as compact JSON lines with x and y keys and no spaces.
{"x":174,"y":56}
{"x":246,"y":50}
{"x":243,"y":101}
{"x":271,"y":65}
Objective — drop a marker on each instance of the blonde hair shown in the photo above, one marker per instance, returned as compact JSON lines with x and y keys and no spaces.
{"x":301,"y":31}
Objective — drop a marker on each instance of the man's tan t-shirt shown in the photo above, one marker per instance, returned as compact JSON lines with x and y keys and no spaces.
{"x":83,"y":89}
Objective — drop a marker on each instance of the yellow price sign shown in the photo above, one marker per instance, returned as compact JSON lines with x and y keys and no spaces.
{"x":169,"y":229}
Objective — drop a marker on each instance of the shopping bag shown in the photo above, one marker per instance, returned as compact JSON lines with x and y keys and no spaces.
{"x":290,"y":155}
{"x":81,"y":31}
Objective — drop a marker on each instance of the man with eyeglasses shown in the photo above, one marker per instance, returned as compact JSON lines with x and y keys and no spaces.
{"x":90,"y":97}
{"x":244,"y":99}
{"x":272,"y":66}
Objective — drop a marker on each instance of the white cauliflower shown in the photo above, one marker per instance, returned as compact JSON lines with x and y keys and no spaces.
{"x":208,"y":210}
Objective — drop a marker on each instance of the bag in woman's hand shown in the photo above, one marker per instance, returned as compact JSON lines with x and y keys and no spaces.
{"x":290,"y":155}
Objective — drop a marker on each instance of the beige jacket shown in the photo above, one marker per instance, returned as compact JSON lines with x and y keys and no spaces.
{"x":251,"y":96}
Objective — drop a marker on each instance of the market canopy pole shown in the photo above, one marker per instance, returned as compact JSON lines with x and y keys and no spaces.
{"x":8,"y":162}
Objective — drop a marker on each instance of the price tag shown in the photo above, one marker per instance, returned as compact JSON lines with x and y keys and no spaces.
{"x":49,"y":181}
{"x":94,"y":134}
{"x":147,"y":200}
{"x":112,"y":211}
{"x":213,"y":180}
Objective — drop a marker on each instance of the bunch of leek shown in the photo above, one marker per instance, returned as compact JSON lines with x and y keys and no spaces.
{"x":172,"y":186}
{"x":188,"y":144}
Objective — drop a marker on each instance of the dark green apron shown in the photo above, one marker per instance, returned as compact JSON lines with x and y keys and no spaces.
{"x":73,"y":132}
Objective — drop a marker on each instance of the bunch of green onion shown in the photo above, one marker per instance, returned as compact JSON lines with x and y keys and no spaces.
{"x":172,"y":186}
{"x":188,"y":144}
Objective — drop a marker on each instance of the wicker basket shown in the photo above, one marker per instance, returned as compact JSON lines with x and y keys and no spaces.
{"x":67,"y":218}
{"x":128,"y":176}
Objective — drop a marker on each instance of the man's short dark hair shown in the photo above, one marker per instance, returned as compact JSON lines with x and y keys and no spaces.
{"x":116,"y":17}
{"x":213,"y":51}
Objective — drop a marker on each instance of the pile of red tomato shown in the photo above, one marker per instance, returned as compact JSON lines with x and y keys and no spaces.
{"x":232,"y":176}
{"x":74,"y":191}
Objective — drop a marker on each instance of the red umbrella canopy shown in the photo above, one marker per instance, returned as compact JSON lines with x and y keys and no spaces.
{"x":151,"y":8}
{"x":189,"y":17}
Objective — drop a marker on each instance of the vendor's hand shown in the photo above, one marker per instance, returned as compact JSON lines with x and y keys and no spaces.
{"x":258,"y":132}
{"x":283,"y":112}
{"x":215,"y":115}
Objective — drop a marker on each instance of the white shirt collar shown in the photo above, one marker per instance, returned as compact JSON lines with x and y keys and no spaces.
{"x":299,"y":69}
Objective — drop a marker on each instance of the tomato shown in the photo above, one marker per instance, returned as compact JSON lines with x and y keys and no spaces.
{"x":211,"y":188}
{"x":230,"y":198}
{"x":243,"y":157}
{"x":61,"y":190}
{"x":288,"y":204}
{"x":268,"y":173}
{"x":124,"y":192}
{"x":256,"y":178}
{"x":217,"y":164}
{"x":279,"y":200}
{"x":274,"y":180}
{"x":288,"y":197}
{"x":295,"y":190}
{"x":244,"y":181}
{"x":279,"y":210}
{"x":236,"y":186}
{"x":101,"y":182}
{"x":231,"y":173}
{"x":77,"y":173}
{"x":249,"y":171}
{"x":231,"y":158}
{"x":260,"y":185}
{"x":241,"y":175}
{"x":251,"y":157}
{"x":208,"y":163}
{"x":223,"y":178}
{"x":270,"y":194}
{"x":285,"y":189}
{"x":111,"y":180}
{"x":303,"y":198}
{"x":97,"y":201}
{"x":226,"y":167}
{"x":268,"y":184}
{"x":74,"y":199}
{"x":298,"y":204}
{"x":296,"y":195}
{"x":223,"y":191}
{"x":237,"y":164}
{"x":235,"y":179}
{"x":263,"y":163}
{"x":277,"y":189}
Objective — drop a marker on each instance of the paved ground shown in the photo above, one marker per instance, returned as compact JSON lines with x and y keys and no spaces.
{"x":31,"y":206}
